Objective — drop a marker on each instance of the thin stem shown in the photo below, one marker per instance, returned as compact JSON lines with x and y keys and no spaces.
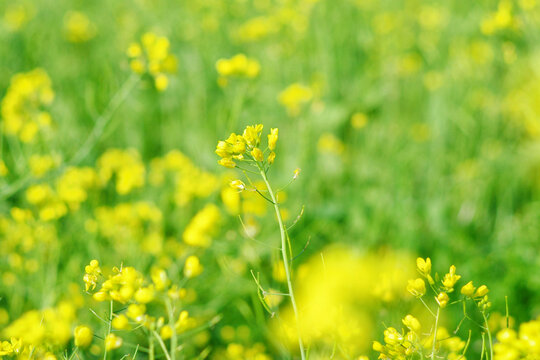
{"x":489,"y":335}
{"x":435,"y":333}
{"x":170,"y":312}
{"x":108,"y":329}
{"x":151,"y":354}
{"x":286,"y":263}
{"x":162,"y":344}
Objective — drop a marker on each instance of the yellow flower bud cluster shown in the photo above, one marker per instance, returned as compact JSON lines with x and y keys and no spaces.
{"x":397,"y":345}
{"x":192,"y":267}
{"x":91,"y":276}
{"x":23,"y":107}
{"x":152,"y":56}
{"x":238,"y":66}
{"x":477,"y":294}
{"x":128,"y":286}
{"x":121,"y":286}
{"x":247,"y":147}
{"x":183,"y":323}
{"x":11,"y":347}
{"x":417,"y":287}
{"x":414,"y":342}
{"x":83,"y":336}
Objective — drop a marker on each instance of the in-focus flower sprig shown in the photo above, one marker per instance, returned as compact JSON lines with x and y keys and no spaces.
{"x":247,"y":148}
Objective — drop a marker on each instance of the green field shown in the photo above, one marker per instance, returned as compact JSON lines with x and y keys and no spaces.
{"x":407,"y":129}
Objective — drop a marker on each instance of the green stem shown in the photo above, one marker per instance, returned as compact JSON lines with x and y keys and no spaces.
{"x":284,"y":245}
{"x":170,"y":312}
{"x":151,"y":354}
{"x":489,"y":335}
{"x":435,"y":333}
{"x":162,"y":344}
{"x":108,"y":330}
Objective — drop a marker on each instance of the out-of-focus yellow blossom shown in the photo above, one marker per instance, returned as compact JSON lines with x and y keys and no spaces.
{"x":159,"y":278}
{"x":237,"y":351}
{"x":127,"y":224}
{"x":41,"y":164}
{"x":78,"y":28}
{"x":113,"y":342}
{"x":192,"y":267}
{"x":257,"y":28}
{"x":359,"y":120}
{"x":522,"y":102}
{"x":83,"y":336}
{"x":238,"y":66}
{"x":238,"y":185}
{"x":136,"y":312}
{"x":152,"y":55}
{"x":190,"y":181}
{"x":49,"y":205}
{"x":3,"y":168}
{"x":125,"y":165}
{"x":329,"y":285}
{"x":412,"y":323}
{"x":202,"y":227}
{"x":294,"y":97}
{"x":45,"y":328}
{"x":330,"y":144}
{"x":17,"y":15}
{"x":121,"y":322}
{"x":432,"y":17}
{"x":273,"y":138}
{"x":22,"y":106}
{"x":522,"y":344}
{"x":145,"y":294}
{"x":499,"y":20}
{"x":73,"y":185}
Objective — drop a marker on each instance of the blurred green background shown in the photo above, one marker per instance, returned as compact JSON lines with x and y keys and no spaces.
{"x":418,"y":133}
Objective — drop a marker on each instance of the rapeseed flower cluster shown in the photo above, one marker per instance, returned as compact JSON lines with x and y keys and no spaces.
{"x":413,"y":342}
{"x":138,"y":296}
{"x":246,"y":147}
{"x":152,"y":56}
{"x":24,"y":111}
